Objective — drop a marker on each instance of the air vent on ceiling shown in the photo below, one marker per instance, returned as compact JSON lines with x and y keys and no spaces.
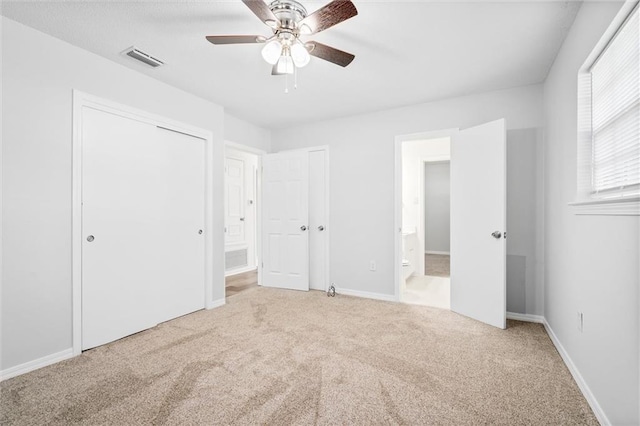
{"x":141,"y":56}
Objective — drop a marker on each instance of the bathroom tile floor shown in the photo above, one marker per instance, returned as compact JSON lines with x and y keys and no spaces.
{"x":427,"y":291}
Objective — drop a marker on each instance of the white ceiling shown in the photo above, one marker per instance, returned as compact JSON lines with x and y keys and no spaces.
{"x":406,"y":52}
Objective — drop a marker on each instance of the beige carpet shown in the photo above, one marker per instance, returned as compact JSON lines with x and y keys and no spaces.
{"x":284,"y":357}
{"x":437,"y":265}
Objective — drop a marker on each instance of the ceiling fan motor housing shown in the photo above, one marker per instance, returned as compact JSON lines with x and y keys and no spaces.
{"x":289,"y":12}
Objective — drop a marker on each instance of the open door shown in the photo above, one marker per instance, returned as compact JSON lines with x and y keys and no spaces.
{"x":478,"y":223}
{"x":285,"y":237}
{"x":235,"y":229}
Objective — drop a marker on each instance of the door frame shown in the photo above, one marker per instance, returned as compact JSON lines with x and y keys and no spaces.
{"x":397,"y":196}
{"x":258,"y":228}
{"x":84,"y":100}
{"x":327,"y":207}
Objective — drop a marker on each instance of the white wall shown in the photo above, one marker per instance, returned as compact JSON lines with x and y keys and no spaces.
{"x":591,"y":261}
{"x":525,"y":213}
{"x":242,"y":132}
{"x":362,"y":172}
{"x":437,"y":207}
{"x":38,"y":75}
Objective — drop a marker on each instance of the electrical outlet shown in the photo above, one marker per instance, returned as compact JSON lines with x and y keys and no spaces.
{"x":580,"y":321}
{"x":372,"y":266}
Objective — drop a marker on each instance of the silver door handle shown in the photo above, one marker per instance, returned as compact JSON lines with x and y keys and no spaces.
{"x":90,"y":238}
{"x":496,"y":234}
{"x":320,"y":228}
{"x":242,"y":219}
{"x":303,"y":228}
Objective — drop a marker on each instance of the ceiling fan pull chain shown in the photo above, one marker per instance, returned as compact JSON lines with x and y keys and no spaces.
{"x":286,"y":83}
{"x":295,"y":77}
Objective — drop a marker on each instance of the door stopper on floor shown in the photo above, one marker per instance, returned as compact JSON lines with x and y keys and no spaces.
{"x":332,"y":291}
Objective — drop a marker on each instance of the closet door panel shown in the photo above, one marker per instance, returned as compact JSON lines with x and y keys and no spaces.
{"x":181,"y":289}
{"x":142,"y":209}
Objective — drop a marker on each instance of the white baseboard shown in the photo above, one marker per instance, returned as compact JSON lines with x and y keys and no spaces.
{"x":233,"y":272}
{"x":437,"y":252}
{"x":216,"y":303}
{"x":593,"y":402}
{"x":36,"y":364}
{"x":366,"y":294}
{"x":539,"y":319}
{"x":584,"y":388}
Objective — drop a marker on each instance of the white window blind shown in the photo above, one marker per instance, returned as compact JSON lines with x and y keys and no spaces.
{"x":615,"y":109}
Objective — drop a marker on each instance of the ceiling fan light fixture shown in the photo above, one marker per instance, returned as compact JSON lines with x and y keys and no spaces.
{"x":289,"y":21}
{"x":300,"y":55}
{"x":285,"y":65}
{"x":272,"y":51}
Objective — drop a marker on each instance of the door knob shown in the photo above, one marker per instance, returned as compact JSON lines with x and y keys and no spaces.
{"x":90,"y":238}
{"x":242,"y":219}
{"x":320,"y":228}
{"x":200,"y":231}
{"x":303,"y":228}
{"x":496,"y":234}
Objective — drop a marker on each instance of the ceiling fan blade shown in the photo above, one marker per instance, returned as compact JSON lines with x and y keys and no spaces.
{"x":262,"y":11}
{"x":236,"y":39}
{"x":327,"y":16}
{"x":329,"y":53}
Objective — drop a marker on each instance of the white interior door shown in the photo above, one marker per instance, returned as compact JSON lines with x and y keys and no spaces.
{"x":317,"y":221}
{"x":142,"y":210}
{"x":285,"y":234}
{"x":180,"y":224}
{"x":478,"y":209}
{"x":234,"y":201}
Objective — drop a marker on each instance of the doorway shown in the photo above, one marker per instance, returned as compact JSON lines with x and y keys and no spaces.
{"x":477,"y":159}
{"x":295,"y":231}
{"x":242,"y":185}
{"x":284,"y":210}
{"x":426,"y":222}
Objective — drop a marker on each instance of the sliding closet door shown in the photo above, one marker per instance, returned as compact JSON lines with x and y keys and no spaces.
{"x":142,"y":209}
{"x":181,"y":200}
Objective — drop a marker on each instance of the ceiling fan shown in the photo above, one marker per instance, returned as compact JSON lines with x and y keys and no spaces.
{"x":289,"y":21}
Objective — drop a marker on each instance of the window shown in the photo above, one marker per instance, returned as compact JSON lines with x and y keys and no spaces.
{"x":609,"y":117}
